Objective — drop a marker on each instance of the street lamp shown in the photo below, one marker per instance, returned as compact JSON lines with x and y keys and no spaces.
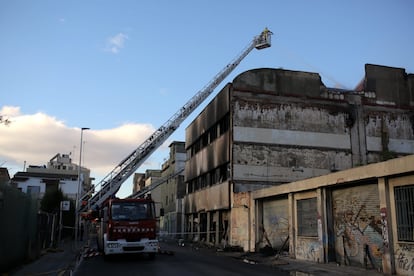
{"x":79,"y":186}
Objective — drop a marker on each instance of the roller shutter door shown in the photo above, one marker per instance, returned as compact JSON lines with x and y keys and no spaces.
{"x":357,"y":225}
{"x":275,"y":222}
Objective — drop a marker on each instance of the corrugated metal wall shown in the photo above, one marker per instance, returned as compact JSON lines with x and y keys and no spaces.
{"x":357,"y":225}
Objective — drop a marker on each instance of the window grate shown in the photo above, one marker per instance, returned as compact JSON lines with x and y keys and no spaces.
{"x":307,"y":217}
{"x":404,"y":203}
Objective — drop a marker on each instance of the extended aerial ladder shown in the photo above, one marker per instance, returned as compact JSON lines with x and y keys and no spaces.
{"x":111,"y":183}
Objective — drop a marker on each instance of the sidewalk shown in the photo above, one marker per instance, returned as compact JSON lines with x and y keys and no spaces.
{"x":60,"y":261}
{"x":301,"y":267}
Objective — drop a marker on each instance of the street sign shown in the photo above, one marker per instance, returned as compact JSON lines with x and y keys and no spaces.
{"x":65,"y":205}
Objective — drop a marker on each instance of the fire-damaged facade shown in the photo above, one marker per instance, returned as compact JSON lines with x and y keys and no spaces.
{"x":361,"y":217}
{"x":270,"y":127}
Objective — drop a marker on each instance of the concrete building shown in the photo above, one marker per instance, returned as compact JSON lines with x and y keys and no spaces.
{"x":138,"y":182}
{"x":59,"y":172}
{"x":270,"y":127}
{"x":151,"y":177}
{"x":172,"y":191}
{"x":167,"y":189}
{"x":362,"y":217}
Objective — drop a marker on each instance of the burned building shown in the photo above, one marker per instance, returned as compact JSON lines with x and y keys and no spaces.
{"x":272,"y":126}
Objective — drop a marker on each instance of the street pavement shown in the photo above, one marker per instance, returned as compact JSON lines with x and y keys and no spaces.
{"x":64,"y":260}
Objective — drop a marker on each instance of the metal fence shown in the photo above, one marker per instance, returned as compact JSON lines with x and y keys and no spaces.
{"x":18,"y":227}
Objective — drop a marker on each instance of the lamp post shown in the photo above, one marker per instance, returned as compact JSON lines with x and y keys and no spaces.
{"x":79,"y":186}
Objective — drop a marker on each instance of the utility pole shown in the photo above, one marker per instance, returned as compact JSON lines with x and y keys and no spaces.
{"x":78,"y":195}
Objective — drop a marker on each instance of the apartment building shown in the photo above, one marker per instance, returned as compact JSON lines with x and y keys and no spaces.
{"x":59,"y":172}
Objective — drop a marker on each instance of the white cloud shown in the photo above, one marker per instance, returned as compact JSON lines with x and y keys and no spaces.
{"x":115,"y":43}
{"x":36,"y":138}
{"x":10,"y":110}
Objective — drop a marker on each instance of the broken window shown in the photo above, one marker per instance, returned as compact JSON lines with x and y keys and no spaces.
{"x":223,"y":171}
{"x":213,"y":133}
{"x":224,"y":124}
{"x":204,"y":139}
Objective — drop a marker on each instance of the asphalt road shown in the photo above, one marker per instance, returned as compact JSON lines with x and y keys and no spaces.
{"x":185,"y":261}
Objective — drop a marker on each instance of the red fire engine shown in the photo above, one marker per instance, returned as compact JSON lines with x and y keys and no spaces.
{"x":127,"y":226}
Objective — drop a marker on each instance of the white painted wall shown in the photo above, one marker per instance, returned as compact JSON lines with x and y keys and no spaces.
{"x":68,"y":187}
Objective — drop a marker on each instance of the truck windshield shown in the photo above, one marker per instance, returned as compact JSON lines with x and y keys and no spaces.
{"x":131,"y":211}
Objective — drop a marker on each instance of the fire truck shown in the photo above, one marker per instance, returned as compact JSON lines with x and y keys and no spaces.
{"x":127,"y":226}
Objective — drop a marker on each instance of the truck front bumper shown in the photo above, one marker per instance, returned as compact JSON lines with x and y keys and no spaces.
{"x":124,"y":247}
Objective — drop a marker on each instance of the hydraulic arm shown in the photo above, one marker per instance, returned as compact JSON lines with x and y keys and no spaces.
{"x":111,"y":183}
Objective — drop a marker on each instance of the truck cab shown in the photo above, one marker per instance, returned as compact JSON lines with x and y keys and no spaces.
{"x":128,"y":226}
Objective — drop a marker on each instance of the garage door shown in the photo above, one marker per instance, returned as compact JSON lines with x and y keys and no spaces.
{"x":275,"y":222}
{"x":357,"y":225}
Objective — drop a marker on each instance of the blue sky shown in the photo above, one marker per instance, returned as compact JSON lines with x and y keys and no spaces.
{"x":123,"y":68}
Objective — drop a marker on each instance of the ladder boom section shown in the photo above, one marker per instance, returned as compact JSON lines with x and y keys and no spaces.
{"x":111,"y":183}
